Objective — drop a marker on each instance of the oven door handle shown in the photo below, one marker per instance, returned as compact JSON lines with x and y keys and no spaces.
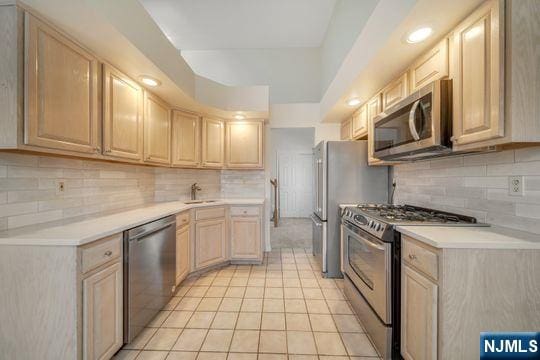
{"x":362,"y":237}
{"x":373,"y":245}
{"x":412,"y":125}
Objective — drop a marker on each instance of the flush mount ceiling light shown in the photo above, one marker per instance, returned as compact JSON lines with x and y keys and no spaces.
{"x":150,"y":81}
{"x":419,"y":35}
{"x":353,"y":102}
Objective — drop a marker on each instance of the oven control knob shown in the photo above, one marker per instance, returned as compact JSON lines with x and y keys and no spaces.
{"x":370,"y":223}
{"x":378,"y":227}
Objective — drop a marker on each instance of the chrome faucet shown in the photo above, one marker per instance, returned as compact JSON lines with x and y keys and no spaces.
{"x":194,"y":189}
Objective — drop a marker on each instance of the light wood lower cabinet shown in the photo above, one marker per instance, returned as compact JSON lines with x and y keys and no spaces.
{"x":244,"y":144}
{"x":182,"y":253}
{"x":61,"y":94}
{"x":185,"y":139}
{"x":122,"y":115}
{"x":478,"y":60}
{"x":210,"y":242}
{"x":419,"y":316}
{"x":213,"y":143}
{"x":245,"y":238}
{"x":157,"y":131}
{"x":102,"y":313}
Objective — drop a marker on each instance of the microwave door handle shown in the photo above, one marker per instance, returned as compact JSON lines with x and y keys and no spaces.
{"x":412,"y":125}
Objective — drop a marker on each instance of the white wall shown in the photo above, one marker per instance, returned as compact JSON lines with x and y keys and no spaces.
{"x":293,"y":75}
{"x":347,"y":21}
{"x":302,"y":115}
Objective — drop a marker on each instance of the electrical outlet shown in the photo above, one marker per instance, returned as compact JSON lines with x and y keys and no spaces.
{"x":515,"y":185}
{"x":61,"y":186}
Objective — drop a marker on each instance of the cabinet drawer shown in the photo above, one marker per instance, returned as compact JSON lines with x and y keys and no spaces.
{"x":244,"y":211}
{"x":101,"y":252}
{"x":182,"y":219}
{"x":419,"y":257}
{"x":212,"y":213}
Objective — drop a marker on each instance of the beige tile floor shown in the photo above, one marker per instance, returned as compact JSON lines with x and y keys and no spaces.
{"x":282,"y":309}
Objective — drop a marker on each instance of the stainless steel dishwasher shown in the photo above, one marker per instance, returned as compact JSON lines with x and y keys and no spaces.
{"x":149,"y":272}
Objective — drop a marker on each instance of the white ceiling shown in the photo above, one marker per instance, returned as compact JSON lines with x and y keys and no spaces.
{"x":242,"y":24}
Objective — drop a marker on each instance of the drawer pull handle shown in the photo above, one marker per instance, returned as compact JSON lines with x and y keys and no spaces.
{"x":108,"y":253}
{"x":245,"y":211}
{"x":412,"y":256}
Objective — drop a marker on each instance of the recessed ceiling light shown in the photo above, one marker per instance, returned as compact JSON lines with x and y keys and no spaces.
{"x":353,"y":102}
{"x":150,"y":81}
{"x":239,"y":117}
{"x":419,"y":35}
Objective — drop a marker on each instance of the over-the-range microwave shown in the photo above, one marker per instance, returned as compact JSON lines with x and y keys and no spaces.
{"x":419,"y":126}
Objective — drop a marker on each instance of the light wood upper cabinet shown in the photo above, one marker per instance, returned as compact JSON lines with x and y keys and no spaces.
{"x":244,"y":144}
{"x":210,"y":242}
{"x":185,"y":139}
{"x":374,"y":108}
{"x":396,"y":91}
{"x":122,"y":115}
{"x":418,"y":316}
{"x":61,"y":94}
{"x":157,"y":131}
{"x":346,"y":130}
{"x":102,"y":313}
{"x":478,"y":52}
{"x":431,"y":66}
{"x":359,"y":122}
{"x":213,"y":142}
{"x":182,"y":253}
{"x":245,"y":237}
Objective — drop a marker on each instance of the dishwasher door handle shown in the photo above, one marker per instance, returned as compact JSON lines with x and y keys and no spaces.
{"x":151,"y":231}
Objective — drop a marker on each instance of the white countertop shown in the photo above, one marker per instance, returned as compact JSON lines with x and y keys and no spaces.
{"x":79,"y":232}
{"x":493,"y":237}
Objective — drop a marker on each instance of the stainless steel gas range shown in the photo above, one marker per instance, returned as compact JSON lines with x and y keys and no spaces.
{"x":371,"y":253}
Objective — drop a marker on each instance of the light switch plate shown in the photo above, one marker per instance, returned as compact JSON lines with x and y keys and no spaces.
{"x":515,"y":185}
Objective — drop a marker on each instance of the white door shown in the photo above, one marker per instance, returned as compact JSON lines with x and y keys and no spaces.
{"x":295,"y":181}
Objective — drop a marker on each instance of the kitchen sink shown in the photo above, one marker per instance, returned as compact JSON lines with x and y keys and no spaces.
{"x":199,"y":201}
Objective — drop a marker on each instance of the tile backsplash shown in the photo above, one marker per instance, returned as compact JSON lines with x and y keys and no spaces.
{"x":476,"y":185}
{"x":30,"y":187}
{"x":175,"y":184}
{"x":30,"y":194}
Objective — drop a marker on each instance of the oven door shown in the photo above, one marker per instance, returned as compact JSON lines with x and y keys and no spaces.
{"x":368,"y":265}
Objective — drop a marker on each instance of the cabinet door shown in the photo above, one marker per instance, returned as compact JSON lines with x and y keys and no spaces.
{"x":430,"y":67}
{"x":185,"y":139}
{"x":245,"y":238}
{"x":102,"y":313}
{"x":360,"y":122}
{"x":213,"y":141}
{"x":373,"y":109}
{"x":418,"y":316}
{"x":122,"y":115}
{"x":478,"y":51}
{"x":157,"y":131}
{"x":182,"y":254}
{"x":395,"y":92}
{"x":346,"y":130}
{"x":61,"y":94}
{"x":244,"y":145}
{"x":210,"y":242}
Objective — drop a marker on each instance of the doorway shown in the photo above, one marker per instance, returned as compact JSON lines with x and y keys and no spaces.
{"x":292,"y":166}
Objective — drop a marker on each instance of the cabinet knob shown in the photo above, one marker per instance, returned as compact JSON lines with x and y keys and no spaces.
{"x":97,"y":149}
{"x":108,"y":253}
{"x":412,"y":256}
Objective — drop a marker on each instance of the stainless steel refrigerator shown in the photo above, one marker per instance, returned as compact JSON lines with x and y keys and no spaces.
{"x":342,"y":176}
